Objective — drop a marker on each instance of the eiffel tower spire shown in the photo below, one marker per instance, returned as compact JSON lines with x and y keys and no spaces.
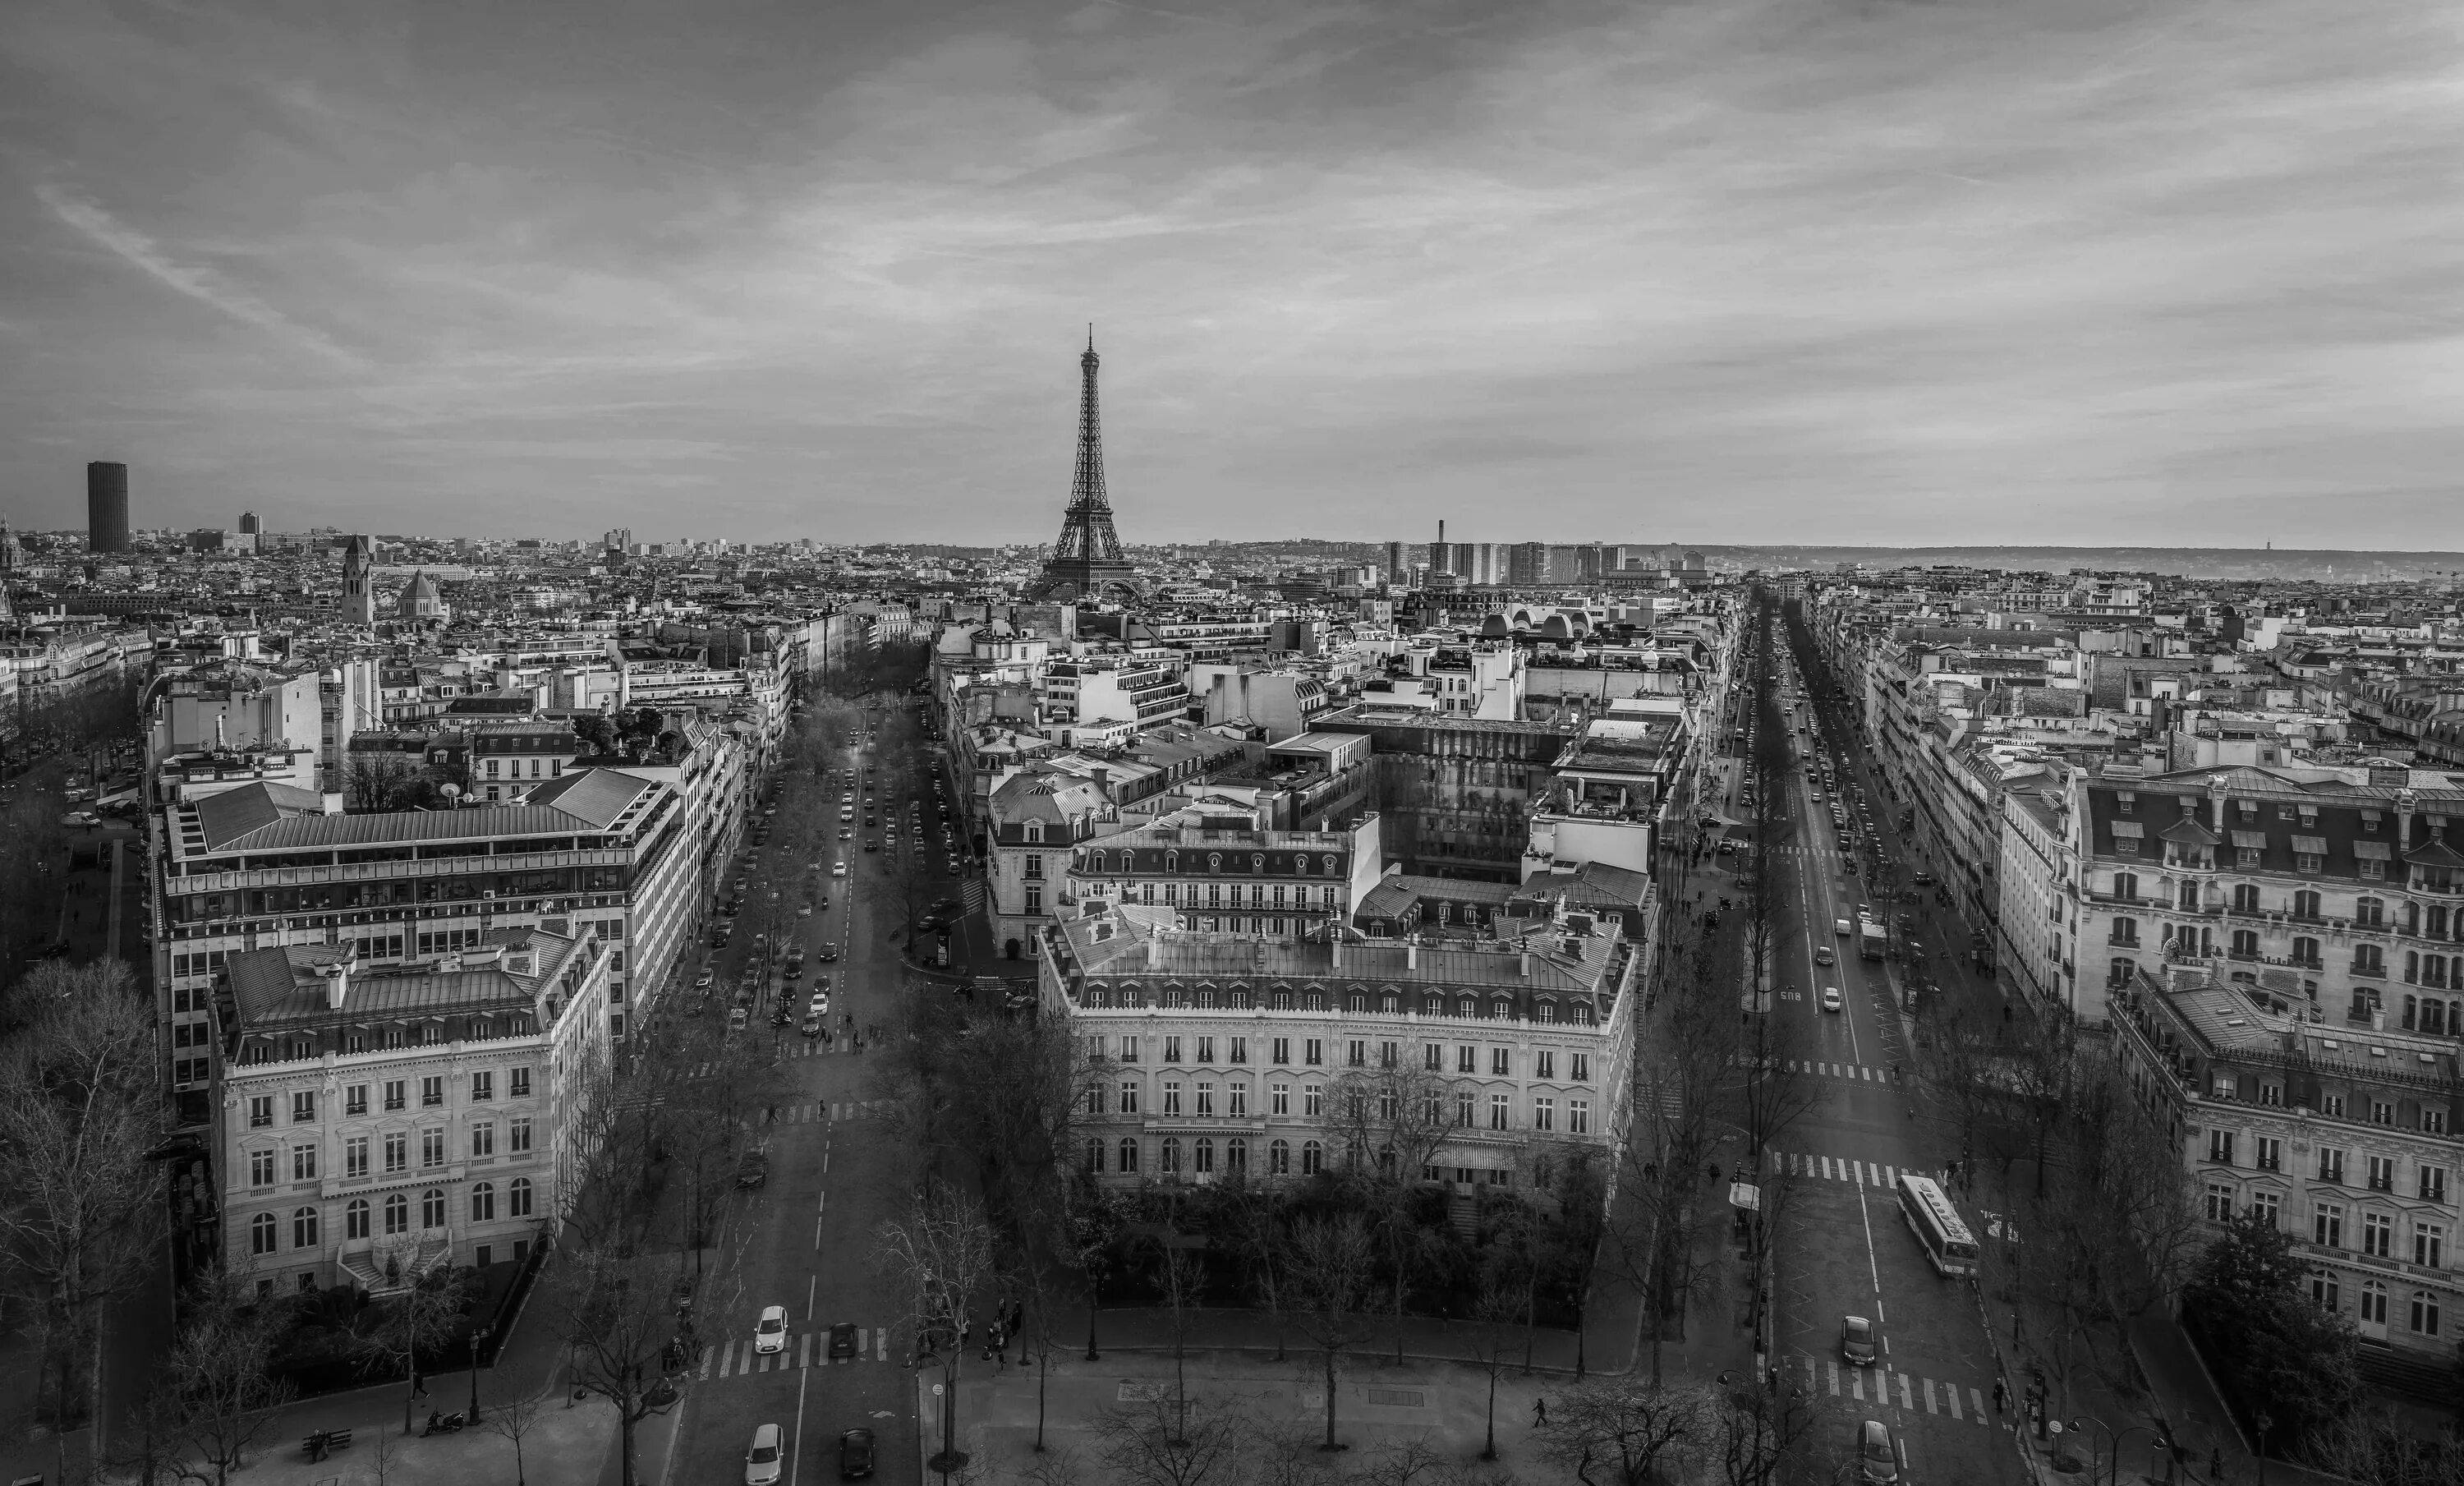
{"x":1086,"y":559}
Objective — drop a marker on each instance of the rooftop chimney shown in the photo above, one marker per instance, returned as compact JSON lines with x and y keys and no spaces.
{"x":337,"y":984}
{"x":1412,"y":952}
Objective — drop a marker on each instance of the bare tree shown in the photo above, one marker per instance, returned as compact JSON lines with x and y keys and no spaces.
{"x":219,"y":1401}
{"x":1500,"y":1302}
{"x":1158,"y":1441}
{"x":941,"y":1255}
{"x":1178,"y":1277}
{"x":612,"y":1304}
{"x":412,"y":1324}
{"x":1329,"y":1266}
{"x":1629,"y":1426}
{"x":84,"y":1218}
{"x":1388,"y":1123}
{"x":512,"y":1421}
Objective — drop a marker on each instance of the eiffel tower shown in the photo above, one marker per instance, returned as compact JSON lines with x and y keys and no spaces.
{"x":1086,"y":562}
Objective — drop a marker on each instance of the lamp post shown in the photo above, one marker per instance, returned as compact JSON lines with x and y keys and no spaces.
{"x":479,"y":1338}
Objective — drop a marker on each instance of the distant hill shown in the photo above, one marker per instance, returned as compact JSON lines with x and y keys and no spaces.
{"x":2281,"y":564}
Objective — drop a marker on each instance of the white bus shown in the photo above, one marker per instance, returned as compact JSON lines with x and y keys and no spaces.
{"x":1936,"y":1223}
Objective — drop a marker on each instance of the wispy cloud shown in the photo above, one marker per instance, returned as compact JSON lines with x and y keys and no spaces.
{"x":148,"y":256}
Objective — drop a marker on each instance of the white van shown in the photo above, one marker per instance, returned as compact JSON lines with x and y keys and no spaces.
{"x":1841,"y":927}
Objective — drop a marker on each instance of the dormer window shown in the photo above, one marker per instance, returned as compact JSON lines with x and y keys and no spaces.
{"x":2370,"y":820}
{"x":2126,"y":801}
{"x":1035,"y":830}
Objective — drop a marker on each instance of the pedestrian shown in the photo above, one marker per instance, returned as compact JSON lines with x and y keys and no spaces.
{"x":2001,"y":1392}
{"x":1539,"y":1412}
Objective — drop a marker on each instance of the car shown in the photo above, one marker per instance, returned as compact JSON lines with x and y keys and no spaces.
{"x":1857,"y":1340}
{"x":702,"y":981}
{"x":770,"y":1332}
{"x":803,"y":910}
{"x":871,"y":845}
{"x":753,"y":1168}
{"x":1878,"y":1463}
{"x":794,"y":969}
{"x":828,"y":952}
{"x":762,"y":1458}
{"x":1831,"y":999}
{"x":783,"y":1017}
{"x":838,"y":868}
{"x":811,"y":1026}
{"x":739,"y":1019}
{"x":819,"y":1005}
{"x":855,"y":1455}
{"x":1841,"y":927}
{"x":1824,"y":954}
{"x":841,"y":1340}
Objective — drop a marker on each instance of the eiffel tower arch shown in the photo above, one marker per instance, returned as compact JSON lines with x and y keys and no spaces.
{"x":1086,"y":562}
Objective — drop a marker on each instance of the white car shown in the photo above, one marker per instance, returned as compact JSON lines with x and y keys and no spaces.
{"x":1831,"y":1000}
{"x":762,"y":1460}
{"x":770,"y":1332}
{"x":838,"y":868}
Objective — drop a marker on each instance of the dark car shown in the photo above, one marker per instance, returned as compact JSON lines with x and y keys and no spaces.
{"x":841,"y":1340}
{"x":753,"y":1169}
{"x":855,"y":1455}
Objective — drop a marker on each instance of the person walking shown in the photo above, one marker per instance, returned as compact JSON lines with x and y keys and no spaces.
{"x":1539,"y":1412}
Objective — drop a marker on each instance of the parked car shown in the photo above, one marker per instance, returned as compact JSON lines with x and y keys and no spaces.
{"x":855,"y":1455}
{"x":762,"y":1458}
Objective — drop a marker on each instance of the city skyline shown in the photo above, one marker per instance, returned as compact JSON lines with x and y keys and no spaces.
{"x":1951,"y":274}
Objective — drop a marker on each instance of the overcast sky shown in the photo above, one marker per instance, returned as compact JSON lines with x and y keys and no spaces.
{"x":2041,"y":270}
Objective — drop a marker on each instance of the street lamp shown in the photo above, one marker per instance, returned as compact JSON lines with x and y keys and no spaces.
{"x":478,"y":1337}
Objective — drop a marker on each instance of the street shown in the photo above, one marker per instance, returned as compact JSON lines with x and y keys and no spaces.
{"x":802,"y":1240}
{"x":1844,"y":1249}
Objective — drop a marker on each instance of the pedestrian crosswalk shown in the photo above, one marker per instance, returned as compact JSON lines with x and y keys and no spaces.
{"x":1890,"y":1387}
{"x":804,"y":1350}
{"x":1836,"y":1168}
{"x":1854,"y":1073}
{"x":814,"y":1112}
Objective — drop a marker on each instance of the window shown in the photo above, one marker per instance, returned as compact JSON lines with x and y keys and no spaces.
{"x":354,"y":1156}
{"x":1283,"y":1052}
{"x":1357,"y":1053}
{"x":2325,"y":1292}
{"x":260,"y":1234}
{"x":1279,"y":1098}
{"x":1501,"y":1061}
{"x":2381,"y":1174}
{"x":1129,"y":1050}
{"x":1172,"y":1050}
{"x":517,"y":1199}
{"x":1543,"y":1064}
{"x":393,"y":1099}
{"x":2369,"y":913}
{"x":432,"y":1091}
{"x":2267,"y":1153}
{"x":2374,"y":1297}
{"x":2271,"y":1094}
{"x":1315,"y":1050}
{"x":2381,"y":1113}
{"x":2305,"y":902}
{"x":2125,"y":931}
{"x":304,"y":1161}
{"x":1171,"y":1096}
{"x":260,"y":1111}
{"x":1240,"y":1046}
{"x":2327,"y":1225}
{"x":1467,"y":1059}
{"x":1168,"y":1161}
{"x":355,"y":1100}
{"x":2369,"y":960}
{"x":355,"y":1219}
{"x":1236,"y":1099}
{"x":2331,"y":1164}
{"x":1464,"y":1106}
{"x":517,"y":1133}
{"x":1236,"y":1156}
{"x":2220,"y":1146}
{"x":303,"y":1228}
{"x":1128,"y":1097}
{"x":1205,"y":1097}
{"x":1544,"y":1113}
{"x":483,"y":1201}
{"x":2245,"y":898}
{"x":1312,"y":1157}
{"x":431,"y":1149}
{"x":2305,"y":953}
{"x":1581,"y":1070}
{"x":2430,"y":1245}
{"x":397,"y":1152}
{"x":2220,"y":1203}
{"x":518,"y":1083}
{"x":2423,"y":1316}
{"x":1201,"y":1157}
{"x":1313,"y":1100}
{"x":2432,"y":1183}
{"x":397,"y":1213}
{"x":2125,"y":886}
{"x":483,"y":1085}
{"x":2267,"y":1207}
{"x":1500,"y":1109}
{"x":1279,"y":1158}
{"x":1385,"y":1054}
{"x":483,"y":1138}
{"x":260,"y":1167}
{"x":2377,"y":1234}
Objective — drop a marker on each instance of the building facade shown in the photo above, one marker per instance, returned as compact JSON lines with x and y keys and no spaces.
{"x":371,"y":1123}
{"x":1210,"y":1053}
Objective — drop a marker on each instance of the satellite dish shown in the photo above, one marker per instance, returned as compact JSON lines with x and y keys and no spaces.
{"x":450,"y":792}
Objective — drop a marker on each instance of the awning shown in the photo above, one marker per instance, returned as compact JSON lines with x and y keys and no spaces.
{"x":2372,"y":850}
{"x":2250,"y":840}
{"x":2128,"y":829}
{"x":2313,"y":846}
